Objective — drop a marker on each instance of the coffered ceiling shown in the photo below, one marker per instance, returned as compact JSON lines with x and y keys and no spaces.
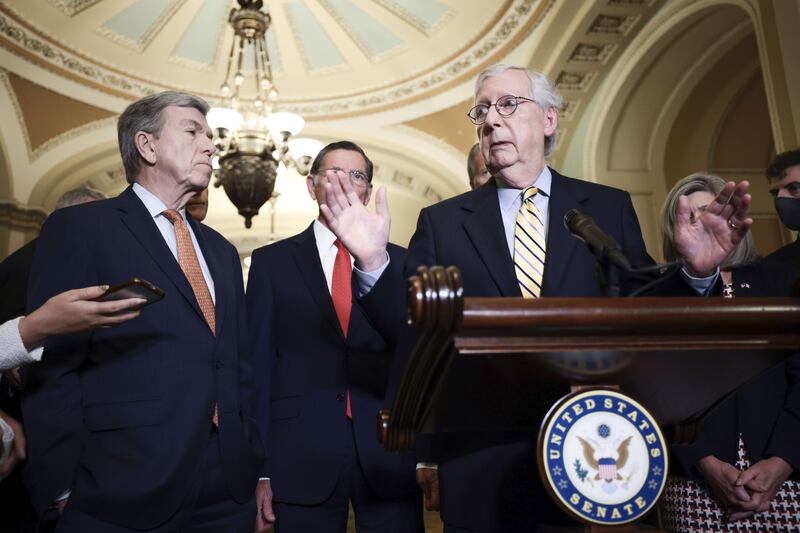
{"x":394,"y":75}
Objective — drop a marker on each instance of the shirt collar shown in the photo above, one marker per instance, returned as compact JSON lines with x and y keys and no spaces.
{"x":152,"y":202}
{"x":324,"y":237}
{"x":509,"y":196}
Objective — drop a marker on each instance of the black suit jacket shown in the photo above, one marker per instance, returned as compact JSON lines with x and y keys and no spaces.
{"x":789,"y":255}
{"x":15,"y":508}
{"x":122,"y":416}
{"x":14,"y":271}
{"x":305,"y":365}
{"x":489,"y":482}
{"x":766,"y":409}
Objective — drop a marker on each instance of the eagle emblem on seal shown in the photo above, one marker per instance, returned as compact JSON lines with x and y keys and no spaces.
{"x":606,"y":467}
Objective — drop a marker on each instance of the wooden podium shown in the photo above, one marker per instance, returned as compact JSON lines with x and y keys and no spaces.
{"x":478,"y":361}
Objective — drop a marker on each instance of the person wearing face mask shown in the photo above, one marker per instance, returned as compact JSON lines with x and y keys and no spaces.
{"x":783,"y":174}
{"x":740,"y":474}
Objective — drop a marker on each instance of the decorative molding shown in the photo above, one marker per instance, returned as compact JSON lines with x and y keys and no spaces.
{"x":154,"y":29}
{"x":414,"y":21}
{"x":514,"y":25}
{"x":71,"y":63}
{"x":613,"y":24}
{"x":592,"y":53}
{"x":574,"y":80}
{"x":630,"y":3}
{"x":20,"y":217}
{"x":516,"y":16}
{"x":430,"y":140}
{"x":296,"y":32}
{"x":431,"y":195}
{"x":358,"y":40}
{"x":12,"y":96}
{"x":73,"y":7}
{"x":199,"y":65}
{"x":53,"y":142}
{"x":403,"y":180}
{"x":568,"y":109}
{"x":68,"y":135}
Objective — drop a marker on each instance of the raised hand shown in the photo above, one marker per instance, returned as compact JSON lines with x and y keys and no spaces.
{"x":363,"y":233}
{"x":704,"y":242}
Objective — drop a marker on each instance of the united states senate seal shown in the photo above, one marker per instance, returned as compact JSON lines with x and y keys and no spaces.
{"x":602,"y":456}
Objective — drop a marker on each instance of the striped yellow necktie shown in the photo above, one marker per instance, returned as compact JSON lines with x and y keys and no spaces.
{"x":529,"y":246}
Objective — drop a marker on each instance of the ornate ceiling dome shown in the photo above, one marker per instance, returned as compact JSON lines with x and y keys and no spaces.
{"x":330,"y":57}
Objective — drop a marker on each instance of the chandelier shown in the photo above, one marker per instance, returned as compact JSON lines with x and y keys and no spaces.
{"x":254,"y":141}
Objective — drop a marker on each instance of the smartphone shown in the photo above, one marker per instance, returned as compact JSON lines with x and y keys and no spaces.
{"x":133,"y":288}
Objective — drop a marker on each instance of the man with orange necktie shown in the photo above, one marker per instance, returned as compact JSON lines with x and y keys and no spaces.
{"x":325,"y":368}
{"x":146,"y":426}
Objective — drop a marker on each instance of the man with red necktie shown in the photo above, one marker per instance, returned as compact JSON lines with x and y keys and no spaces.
{"x":323,"y":369}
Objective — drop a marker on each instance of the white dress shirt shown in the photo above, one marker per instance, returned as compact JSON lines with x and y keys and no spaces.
{"x":156,"y":209}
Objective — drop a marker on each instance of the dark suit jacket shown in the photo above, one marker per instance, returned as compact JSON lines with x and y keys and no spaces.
{"x":486,"y":480}
{"x":789,"y":255}
{"x":306,"y":366}
{"x":14,"y":271}
{"x":122,"y":416}
{"x":16,"y":512}
{"x":765,"y":410}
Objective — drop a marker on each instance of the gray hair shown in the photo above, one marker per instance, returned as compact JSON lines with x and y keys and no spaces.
{"x":79,"y":195}
{"x":542,"y":92}
{"x":146,"y":115}
{"x":743,"y":254}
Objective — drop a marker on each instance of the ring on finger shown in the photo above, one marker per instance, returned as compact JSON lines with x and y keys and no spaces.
{"x":732,"y":224}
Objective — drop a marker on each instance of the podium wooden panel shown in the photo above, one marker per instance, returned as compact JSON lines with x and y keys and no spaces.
{"x":488,"y":363}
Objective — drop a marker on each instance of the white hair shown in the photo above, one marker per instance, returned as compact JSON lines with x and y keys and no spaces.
{"x":542,"y":92}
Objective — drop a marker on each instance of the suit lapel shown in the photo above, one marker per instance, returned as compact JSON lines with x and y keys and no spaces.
{"x":484,"y":226}
{"x":306,"y":255}
{"x":560,"y":243}
{"x":141,"y":225}
{"x":215,"y":268}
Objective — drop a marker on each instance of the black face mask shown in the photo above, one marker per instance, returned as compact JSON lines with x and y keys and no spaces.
{"x":789,"y":212}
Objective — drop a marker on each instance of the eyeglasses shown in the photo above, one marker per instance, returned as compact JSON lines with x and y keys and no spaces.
{"x":356,"y":176}
{"x":505,"y":105}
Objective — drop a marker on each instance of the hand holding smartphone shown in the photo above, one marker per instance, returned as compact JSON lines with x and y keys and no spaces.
{"x":133,"y":288}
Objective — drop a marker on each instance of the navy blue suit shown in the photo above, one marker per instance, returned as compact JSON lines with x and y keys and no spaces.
{"x":766,"y":409}
{"x":122,"y":416}
{"x":789,"y":255}
{"x":488,"y":481}
{"x":307,"y":365}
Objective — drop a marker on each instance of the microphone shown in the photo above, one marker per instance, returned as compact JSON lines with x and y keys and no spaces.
{"x":601,"y":244}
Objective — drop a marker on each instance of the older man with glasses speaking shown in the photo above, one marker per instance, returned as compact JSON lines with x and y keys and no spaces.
{"x":508,"y":239}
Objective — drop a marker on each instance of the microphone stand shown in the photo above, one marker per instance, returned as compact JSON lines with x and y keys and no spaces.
{"x":608,"y":276}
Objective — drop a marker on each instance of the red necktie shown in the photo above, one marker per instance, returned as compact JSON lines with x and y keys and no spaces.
{"x":187,"y":259}
{"x":342,"y":294}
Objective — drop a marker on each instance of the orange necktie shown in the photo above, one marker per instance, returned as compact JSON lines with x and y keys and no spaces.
{"x":342,"y":294}
{"x":187,"y":259}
